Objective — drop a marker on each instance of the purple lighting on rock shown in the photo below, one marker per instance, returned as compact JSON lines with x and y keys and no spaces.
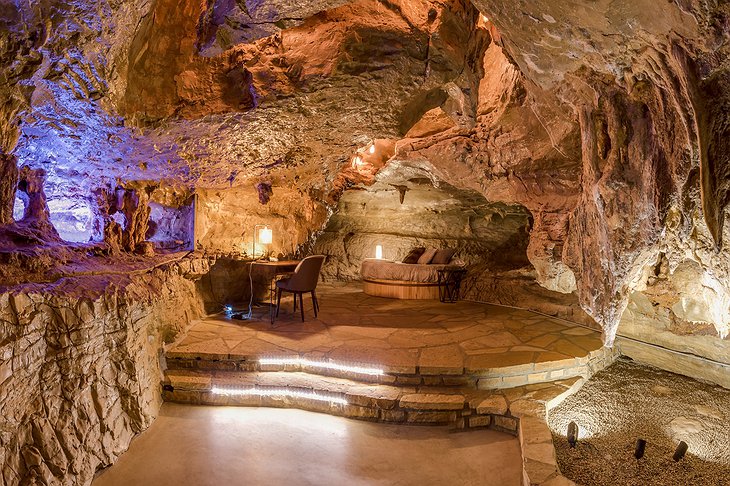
{"x":18,"y":209}
{"x":120,"y":219}
{"x":73,"y":219}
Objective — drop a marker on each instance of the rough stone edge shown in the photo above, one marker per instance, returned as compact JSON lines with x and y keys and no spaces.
{"x":110,"y":291}
{"x":539,"y":460}
{"x":675,"y":361}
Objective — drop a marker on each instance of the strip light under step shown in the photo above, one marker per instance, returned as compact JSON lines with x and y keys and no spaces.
{"x":328,"y":365}
{"x":278,"y":392}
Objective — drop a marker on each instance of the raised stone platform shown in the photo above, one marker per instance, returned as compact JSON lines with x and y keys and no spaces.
{"x":412,"y":342}
{"x":466,"y":364}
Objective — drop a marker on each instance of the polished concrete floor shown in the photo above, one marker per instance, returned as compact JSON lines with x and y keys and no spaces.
{"x":190,"y":445}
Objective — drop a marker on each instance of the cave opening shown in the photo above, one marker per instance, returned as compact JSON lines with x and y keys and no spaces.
{"x":75,"y":220}
{"x":18,"y":208}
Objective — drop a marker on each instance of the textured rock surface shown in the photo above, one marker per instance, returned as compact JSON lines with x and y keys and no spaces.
{"x":431,"y":214}
{"x":606,"y":121}
{"x":79,"y":367}
{"x":8,"y":186}
{"x":638,"y":78}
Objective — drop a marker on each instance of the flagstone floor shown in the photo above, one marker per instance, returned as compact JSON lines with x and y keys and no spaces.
{"x":401,"y":335}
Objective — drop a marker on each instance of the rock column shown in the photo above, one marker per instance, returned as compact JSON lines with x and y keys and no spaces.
{"x":8,"y":185}
{"x":134,"y":205}
{"x":37,"y":214}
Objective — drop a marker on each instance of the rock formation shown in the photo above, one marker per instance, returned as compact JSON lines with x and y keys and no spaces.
{"x":79,"y":372}
{"x":8,"y":186}
{"x":37,"y":214}
{"x":132,"y":205}
{"x":589,"y":138}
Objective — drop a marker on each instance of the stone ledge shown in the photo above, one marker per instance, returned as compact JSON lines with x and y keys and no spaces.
{"x":432,"y":401}
{"x":675,"y":361}
{"x":486,"y":372}
{"x":522,"y":411}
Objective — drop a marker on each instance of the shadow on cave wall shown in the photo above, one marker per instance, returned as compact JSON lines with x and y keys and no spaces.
{"x":406,"y":209}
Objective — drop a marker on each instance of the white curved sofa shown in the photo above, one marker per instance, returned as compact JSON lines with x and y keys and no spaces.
{"x":397,"y":280}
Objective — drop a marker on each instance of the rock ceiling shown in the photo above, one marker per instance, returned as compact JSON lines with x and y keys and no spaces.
{"x":606,"y":120}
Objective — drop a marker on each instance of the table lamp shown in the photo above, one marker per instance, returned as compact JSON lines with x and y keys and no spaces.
{"x":265,"y":236}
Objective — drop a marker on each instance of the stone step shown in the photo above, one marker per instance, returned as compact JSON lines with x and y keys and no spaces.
{"x":336,"y":396}
{"x":487,"y":374}
{"x":520,"y":410}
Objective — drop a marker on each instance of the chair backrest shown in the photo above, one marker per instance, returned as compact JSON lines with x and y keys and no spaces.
{"x":306,"y":275}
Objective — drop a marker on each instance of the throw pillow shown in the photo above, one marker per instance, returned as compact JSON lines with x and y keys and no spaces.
{"x":443,"y":256}
{"x":414,"y":255}
{"x":427,"y":256}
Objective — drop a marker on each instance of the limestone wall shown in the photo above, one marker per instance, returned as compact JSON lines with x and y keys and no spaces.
{"x":408,"y":207}
{"x":79,"y":367}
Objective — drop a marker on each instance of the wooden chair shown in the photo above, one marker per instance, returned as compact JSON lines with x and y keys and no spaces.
{"x":303,"y":280}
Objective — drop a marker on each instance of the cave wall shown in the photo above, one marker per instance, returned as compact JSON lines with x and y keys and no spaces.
{"x":638,"y":78}
{"x":431,"y":213}
{"x":79,"y":367}
{"x":595,"y":119}
{"x":225,"y":219}
{"x":160,"y":105}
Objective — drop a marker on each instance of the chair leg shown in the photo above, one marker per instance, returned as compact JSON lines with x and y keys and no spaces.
{"x":314,"y":303}
{"x":301,"y":304}
{"x":295,"y":301}
{"x":278,"y":301}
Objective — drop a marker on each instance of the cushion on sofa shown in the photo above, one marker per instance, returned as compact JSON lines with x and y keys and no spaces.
{"x":374,"y":269}
{"x":414,"y":255}
{"x":443,"y":256}
{"x":427,"y":256}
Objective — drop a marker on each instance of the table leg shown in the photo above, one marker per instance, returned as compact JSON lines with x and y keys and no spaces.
{"x":272,"y":291}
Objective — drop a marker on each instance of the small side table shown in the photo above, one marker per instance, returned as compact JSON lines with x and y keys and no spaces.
{"x":449,"y":281}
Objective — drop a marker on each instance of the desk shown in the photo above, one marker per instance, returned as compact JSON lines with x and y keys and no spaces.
{"x":275,"y":269}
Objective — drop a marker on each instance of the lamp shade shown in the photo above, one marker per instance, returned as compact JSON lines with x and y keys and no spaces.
{"x":379,"y":252}
{"x":265,"y":236}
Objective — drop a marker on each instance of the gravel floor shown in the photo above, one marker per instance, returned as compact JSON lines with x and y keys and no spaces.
{"x":627,"y":401}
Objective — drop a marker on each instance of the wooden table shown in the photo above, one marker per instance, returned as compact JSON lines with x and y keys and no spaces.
{"x":276,"y":270}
